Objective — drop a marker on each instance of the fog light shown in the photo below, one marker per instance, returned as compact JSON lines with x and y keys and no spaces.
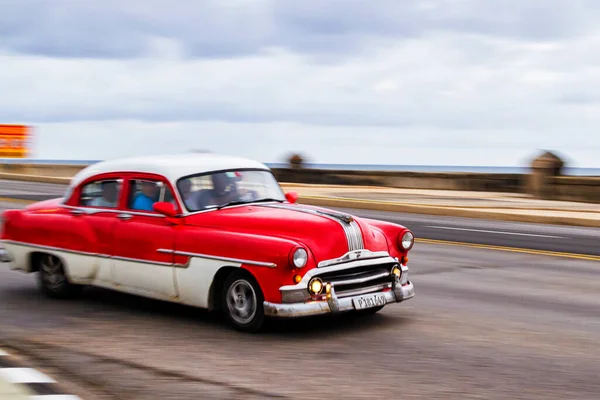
{"x":315,"y":286}
{"x":396,"y":271}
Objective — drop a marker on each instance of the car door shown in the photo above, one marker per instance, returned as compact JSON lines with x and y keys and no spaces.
{"x":94,"y":208}
{"x":140,"y":263}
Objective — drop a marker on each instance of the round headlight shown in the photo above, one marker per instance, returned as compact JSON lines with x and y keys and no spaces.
{"x":407,"y":241}
{"x":300,"y":258}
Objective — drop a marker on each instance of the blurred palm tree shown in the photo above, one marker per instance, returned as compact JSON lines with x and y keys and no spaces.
{"x":296,"y":161}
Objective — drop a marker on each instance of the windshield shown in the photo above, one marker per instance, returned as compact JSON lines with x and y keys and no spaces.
{"x":207,"y":191}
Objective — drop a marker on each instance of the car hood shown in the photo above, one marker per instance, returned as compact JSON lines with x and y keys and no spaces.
{"x":325,"y":232}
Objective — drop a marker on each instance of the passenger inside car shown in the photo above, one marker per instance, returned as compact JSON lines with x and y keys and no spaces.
{"x":146,"y":198}
{"x":109,"y":195}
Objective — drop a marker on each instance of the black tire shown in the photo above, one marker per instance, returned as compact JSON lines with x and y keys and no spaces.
{"x":246,"y":311}
{"x":53,"y":280}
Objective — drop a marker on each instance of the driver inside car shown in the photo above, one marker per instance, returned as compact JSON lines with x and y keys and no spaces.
{"x":224,"y":189}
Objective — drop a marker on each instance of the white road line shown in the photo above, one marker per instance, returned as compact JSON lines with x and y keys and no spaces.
{"x":55,"y":397}
{"x":24,"y":375}
{"x":497,"y":232}
{"x":3,"y":353}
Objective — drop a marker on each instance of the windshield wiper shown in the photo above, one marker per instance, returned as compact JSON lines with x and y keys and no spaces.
{"x":238,"y":202}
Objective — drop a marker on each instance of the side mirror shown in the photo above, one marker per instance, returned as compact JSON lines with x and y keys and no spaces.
{"x":165,"y":208}
{"x":292,"y":197}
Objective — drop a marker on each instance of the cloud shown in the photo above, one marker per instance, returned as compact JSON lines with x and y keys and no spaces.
{"x":423,"y":82}
{"x":216,"y":28}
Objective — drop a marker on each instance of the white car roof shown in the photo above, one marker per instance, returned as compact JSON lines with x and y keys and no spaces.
{"x":172,"y":167}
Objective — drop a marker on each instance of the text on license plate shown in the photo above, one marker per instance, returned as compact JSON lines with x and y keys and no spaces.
{"x":368,"y":301}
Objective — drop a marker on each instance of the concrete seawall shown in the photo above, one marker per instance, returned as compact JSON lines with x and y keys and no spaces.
{"x":46,"y":170}
{"x":509,"y":183}
{"x":568,"y":188}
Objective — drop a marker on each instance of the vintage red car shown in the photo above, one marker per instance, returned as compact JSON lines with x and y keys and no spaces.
{"x":211,"y":231}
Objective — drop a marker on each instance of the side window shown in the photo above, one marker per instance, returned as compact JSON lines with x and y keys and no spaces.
{"x":104,"y":193}
{"x":144,"y":193}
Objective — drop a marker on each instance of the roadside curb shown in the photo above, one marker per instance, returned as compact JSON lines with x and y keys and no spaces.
{"x":447,"y":211}
{"x":465,"y":207}
{"x":40,"y":385}
{"x":34,"y":178}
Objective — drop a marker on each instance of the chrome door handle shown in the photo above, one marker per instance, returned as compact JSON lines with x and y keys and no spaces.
{"x":124,"y":217}
{"x":77,"y":212}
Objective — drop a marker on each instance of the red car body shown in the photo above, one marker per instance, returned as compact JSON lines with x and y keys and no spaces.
{"x":257,"y":258}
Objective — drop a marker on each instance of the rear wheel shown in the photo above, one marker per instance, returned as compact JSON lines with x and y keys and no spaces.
{"x":242,"y":302}
{"x":53,"y":280}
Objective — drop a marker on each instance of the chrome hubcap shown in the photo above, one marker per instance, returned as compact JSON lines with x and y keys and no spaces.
{"x":241,"y":301}
{"x":52,"y":272}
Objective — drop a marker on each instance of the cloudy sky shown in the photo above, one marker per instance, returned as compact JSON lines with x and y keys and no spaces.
{"x":452,"y":82}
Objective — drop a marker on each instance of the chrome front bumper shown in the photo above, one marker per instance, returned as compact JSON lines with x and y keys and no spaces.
{"x":333,"y":304}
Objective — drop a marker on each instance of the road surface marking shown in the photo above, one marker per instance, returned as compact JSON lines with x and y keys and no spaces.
{"x":498,"y":232}
{"x":587,"y":257}
{"x":24,"y":375}
{"x":15,"y":200}
{"x":40,"y":385}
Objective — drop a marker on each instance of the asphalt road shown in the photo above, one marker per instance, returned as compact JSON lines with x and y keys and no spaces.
{"x":555,"y":238}
{"x":498,"y":233}
{"x":483,"y":325}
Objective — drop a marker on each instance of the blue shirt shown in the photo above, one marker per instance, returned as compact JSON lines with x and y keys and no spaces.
{"x":143,"y":202}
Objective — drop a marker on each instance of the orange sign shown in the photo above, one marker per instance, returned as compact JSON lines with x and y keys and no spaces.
{"x":14,"y":141}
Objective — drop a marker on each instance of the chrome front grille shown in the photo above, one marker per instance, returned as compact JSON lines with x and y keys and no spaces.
{"x":359,"y":280}
{"x":354,"y":235}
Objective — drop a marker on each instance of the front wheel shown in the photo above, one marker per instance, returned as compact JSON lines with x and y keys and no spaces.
{"x":53,"y":280}
{"x":242,"y":302}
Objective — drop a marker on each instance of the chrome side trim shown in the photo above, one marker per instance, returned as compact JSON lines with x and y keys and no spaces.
{"x":220,"y":258}
{"x":141,"y":261}
{"x":52,"y":248}
{"x":94,"y":210}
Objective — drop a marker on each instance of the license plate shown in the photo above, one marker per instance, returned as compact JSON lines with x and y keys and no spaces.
{"x":368,"y":301}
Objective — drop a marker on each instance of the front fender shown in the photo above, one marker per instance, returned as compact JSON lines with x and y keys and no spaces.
{"x":392,"y":233}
